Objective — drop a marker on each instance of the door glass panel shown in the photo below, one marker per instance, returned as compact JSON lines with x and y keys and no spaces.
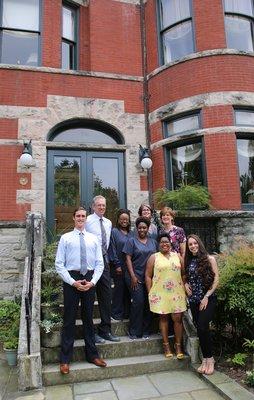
{"x":106,"y":183}
{"x":66,"y":191}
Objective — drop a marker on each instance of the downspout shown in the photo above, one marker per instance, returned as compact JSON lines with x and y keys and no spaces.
{"x":146,"y":93}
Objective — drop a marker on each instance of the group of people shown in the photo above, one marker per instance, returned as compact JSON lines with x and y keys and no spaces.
{"x":155,"y":270}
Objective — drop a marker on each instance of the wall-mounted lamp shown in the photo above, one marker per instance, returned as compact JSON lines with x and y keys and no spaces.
{"x":26,"y":159}
{"x":144,"y":158}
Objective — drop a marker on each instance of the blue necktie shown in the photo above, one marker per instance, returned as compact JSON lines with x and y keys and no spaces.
{"x":103,"y":238}
{"x":83,"y":260}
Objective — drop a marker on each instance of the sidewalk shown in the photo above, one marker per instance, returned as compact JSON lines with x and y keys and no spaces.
{"x":173,"y":385}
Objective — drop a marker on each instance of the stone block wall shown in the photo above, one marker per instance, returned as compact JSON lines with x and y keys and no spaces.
{"x":12,"y":258}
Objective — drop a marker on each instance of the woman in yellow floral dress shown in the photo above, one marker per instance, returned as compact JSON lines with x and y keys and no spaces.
{"x":166,"y":292}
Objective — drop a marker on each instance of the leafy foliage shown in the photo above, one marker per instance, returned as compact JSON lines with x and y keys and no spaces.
{"x":51,"y":323}
{"x":235,"y":309}
{"x":239,"y":359}
{"x":250,"y":378}
{"x":186,"y":197}
{"x":9,"y":321}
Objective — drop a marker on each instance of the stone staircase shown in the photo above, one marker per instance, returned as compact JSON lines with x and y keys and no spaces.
{"x":124,"y":358}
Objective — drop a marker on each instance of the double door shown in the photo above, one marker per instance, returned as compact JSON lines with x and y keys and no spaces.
{"x":75,"y":177}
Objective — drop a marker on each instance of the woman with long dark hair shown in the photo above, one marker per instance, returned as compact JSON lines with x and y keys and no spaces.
{"x":119,"y":236}
{"x":201,"y":281}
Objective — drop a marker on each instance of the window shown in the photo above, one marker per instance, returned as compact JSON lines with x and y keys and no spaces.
{"x":245,"y":153}
{"x":239,"y":24}
{"x":19,"y":32}
{"x":175,"y":29}
{"x":185,"y":159}
{"x":69,"y":37}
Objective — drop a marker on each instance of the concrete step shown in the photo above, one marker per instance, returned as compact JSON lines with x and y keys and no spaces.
{"x":109,"y":350}
{"x":120,"y":367}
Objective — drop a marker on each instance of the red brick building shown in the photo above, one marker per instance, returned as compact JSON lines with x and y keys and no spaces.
{"x":89,"y":81}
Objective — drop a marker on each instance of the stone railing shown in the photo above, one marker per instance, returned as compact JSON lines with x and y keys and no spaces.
{"x":29,"y":356}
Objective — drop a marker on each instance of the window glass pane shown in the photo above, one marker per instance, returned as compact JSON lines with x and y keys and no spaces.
{"x":183,"y":125}
{"x":105,"y":183}
{"x":245,"y":148}
{"x":239,"y":6}
{"x":19,"y":48}
{"x":173,"y":11}
{"x":68,"y":24}
{"x":21,"y":14}
{"x":238,"y":31}
{"x":66,"y":176}
{"x":67,"y":55}
{"x":178,"y":42}
{"x":244,"y":118}
{"x":187,"y":165}
{"x":84,"y":135}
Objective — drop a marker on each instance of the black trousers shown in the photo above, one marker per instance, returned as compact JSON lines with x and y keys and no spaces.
{"x":103,"y":291}
{"x":71,"y":302}
{"x":201,"y":320}
{"x":120,"y":308}
{"x":140,"y":314}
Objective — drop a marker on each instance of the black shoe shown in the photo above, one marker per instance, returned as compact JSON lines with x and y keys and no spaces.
{"x":98,"y":339}
{"x":109,"y":336}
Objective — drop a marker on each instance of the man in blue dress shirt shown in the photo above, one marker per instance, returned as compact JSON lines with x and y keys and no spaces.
{"x":101,"y":227}
{"x":79,"y":263}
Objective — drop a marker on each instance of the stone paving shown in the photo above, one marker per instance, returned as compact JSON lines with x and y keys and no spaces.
{"x":172,"y":385}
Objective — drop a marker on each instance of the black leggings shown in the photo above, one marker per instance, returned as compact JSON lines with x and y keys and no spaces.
{"x":201,"y":320}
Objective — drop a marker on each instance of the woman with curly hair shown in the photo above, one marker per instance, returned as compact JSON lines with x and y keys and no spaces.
{"x":201,"y":280}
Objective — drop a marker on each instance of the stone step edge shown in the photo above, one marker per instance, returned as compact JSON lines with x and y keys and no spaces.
{"x":124,"y":339}
{"x":120,"y":367}
{"x":225,"y":386}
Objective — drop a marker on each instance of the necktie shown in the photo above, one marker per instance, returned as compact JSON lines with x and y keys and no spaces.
{"x":83,"y":260}
{"x":103,"y":238}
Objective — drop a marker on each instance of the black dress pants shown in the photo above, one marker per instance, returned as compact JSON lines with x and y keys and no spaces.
{"x":71,"y":302}
{"x":103,"y":291}
{"x":201,"y":320}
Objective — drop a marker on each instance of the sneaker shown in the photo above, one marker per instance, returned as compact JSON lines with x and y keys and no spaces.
{"x":98,"y":339}
{"x":133,"y":337}
{"x":146,"y":337}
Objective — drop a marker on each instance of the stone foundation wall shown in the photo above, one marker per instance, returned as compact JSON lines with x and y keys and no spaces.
{"x":12,"y":258}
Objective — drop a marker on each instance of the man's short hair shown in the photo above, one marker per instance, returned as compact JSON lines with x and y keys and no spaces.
{"x":97,"y":198}
{"x":78,"y":209}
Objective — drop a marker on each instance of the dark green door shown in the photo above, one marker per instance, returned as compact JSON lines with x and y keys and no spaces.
{"x":75,"y":177}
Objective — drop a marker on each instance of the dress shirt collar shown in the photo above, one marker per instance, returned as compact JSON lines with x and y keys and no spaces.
{"x":98,"y":217}
{"x":78,"y":231}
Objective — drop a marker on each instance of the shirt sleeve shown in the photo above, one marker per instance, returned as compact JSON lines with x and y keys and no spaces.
{"x":60,"y":263}
{"x":112,"y":251}
{"x":182,"y":236}
{"x":99,"y":264}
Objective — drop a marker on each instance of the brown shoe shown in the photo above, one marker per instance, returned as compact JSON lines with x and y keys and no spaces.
{"x":64,"y":369}
{"x":99,"y":362}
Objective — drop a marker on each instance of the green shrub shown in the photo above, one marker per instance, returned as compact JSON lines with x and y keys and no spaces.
{"x":9,"y":321}
{"x":250,"y":378}
{"x":186,"y":197}
{"x":235,"y":308}
{"x":239,"y":359}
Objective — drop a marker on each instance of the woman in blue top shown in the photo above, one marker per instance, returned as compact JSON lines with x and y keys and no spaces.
{"x":201,"y":279}
{"x":120,"y":294}
{"x":138,"y":249}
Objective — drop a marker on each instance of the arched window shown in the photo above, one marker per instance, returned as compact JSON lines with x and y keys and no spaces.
{"x":86,"y":132}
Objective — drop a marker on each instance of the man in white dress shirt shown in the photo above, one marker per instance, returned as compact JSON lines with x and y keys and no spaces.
{"x":79,"y":263}
{"x":101,"y":227}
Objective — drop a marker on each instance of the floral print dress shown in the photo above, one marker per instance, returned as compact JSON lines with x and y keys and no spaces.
{"x":167,"y":293}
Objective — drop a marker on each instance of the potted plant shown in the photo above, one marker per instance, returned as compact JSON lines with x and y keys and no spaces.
{"x":9,"y":329}
{"x":50,"y":330}
{"x":185,"y":198}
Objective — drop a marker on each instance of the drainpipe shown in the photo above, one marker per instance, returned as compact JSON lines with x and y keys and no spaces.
{"x":146,"y":93}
